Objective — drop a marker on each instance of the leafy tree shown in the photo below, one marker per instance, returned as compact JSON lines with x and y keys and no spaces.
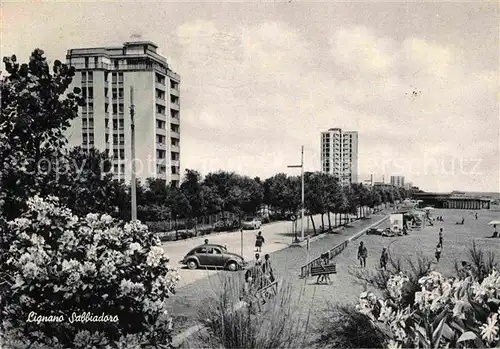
{"x":83,"y":182}
{"x":34,"y":113}
{"x":191,"y":187}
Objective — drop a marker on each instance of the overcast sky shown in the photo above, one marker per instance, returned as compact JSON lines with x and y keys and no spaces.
{"x":260,"y":79}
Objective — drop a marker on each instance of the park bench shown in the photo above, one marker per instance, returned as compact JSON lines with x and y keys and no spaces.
{"x":324,"y":270}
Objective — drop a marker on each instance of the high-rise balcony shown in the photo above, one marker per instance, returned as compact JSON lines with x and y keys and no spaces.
{"x":175,"y":148}
{"x":174,"y":134}
{"x":160,"y":86}
{"x":174,"y":91}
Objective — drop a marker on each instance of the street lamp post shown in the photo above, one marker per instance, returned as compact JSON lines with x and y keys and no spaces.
{"x":301,"y":166}
{"x":133,"y":189}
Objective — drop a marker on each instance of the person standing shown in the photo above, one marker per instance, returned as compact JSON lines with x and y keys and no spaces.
{"x":267,"y":268}
{"x":324,"y":262}
{"x":438,"y":252}
{"x":384,"y":257}
{"x":259,"y":241}
{"x":362,"y":254}
{"x":441,"y":237}
{"x":258,"y":261}
{"x":476,"y":215}
{"x":206,"y":241}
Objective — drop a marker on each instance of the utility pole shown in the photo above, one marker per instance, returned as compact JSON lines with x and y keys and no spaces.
{"x":133,"y":188}
{"x":302,"y":190}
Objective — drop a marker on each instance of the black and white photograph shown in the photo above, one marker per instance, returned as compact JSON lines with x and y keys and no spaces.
{"x":278,"y":174}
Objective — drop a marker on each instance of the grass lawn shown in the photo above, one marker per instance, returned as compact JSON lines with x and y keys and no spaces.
{"x":457,"y":239}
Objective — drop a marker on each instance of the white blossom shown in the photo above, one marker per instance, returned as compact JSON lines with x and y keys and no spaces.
{"x":489,"y":330}
{"x":154,"y":256}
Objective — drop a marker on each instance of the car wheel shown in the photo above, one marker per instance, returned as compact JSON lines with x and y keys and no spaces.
{"x":232,"y":266}
{"x":192,"y":264}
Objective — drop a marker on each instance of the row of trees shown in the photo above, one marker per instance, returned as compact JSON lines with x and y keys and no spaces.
{"x":36,"y":110}
{"x":244,"y":196}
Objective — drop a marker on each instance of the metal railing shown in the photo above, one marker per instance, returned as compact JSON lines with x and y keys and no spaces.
{"x":305,"y":270}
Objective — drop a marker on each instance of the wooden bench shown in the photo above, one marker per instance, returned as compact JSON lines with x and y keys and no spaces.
{"x":324,"y":270}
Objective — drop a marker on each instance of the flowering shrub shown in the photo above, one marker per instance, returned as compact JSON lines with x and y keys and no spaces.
{"x":83,"y":282}
{"x":446,"y":312}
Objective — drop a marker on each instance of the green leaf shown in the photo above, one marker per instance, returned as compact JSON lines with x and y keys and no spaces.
{"x":438,"y":332}
{"x":467,"y":336}
{"x":438,"y":319}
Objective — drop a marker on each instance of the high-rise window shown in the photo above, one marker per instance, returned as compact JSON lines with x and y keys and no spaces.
{"x":115,"y":139}
{"x":122,"y":154}
{"x":160,"y":124}
{"x":85,"y":138}
{"x":84,"y":76}
{"x":106,"y":138}
{"x":90,"y":76}
{"x":115,"y":124}
{"x":160,"y":154}
{"x":122,"y":139}
{"x":121,"y":123}
{"x":160,"y":139}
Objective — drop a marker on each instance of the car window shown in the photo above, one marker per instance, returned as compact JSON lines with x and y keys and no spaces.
{"x":216,"y":251}
{"x":202,"y":250}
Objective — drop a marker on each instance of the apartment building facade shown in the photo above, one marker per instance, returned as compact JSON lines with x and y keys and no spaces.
{"x":106,"y":76}
{"x":398,"y":181}
{"x":339,"y":154}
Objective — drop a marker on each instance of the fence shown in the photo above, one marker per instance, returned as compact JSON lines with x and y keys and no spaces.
{"x":306,"y":269}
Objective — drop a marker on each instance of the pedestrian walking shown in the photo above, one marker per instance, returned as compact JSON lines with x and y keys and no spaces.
{"x":438,"y":252}
{"x":267,"y":268}
{"x":476,"y":215}
{"x":362,"y":254}
{"x":441,"y":236}
{"x":259,"y":241}
{"x":324,"y":262}
{"x":384,"y":257}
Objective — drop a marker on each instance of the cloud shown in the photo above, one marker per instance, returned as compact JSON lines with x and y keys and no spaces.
{"x":265,"y":91}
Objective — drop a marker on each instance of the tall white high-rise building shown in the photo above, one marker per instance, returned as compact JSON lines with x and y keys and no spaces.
{"x":105,"y":75}
{"x":398,"y":181}
{"x":339,"y":154}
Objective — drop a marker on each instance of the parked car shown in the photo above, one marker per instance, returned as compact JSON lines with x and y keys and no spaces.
{"x":375,"y":231}
{"x":252,"y":224}
{"x":225,"y":225}
{"x":211,"y":255}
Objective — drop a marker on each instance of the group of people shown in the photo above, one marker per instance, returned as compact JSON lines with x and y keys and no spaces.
{"x":260,"y":274}
{"x":439,"y":219}
{"x":363,"y":254}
